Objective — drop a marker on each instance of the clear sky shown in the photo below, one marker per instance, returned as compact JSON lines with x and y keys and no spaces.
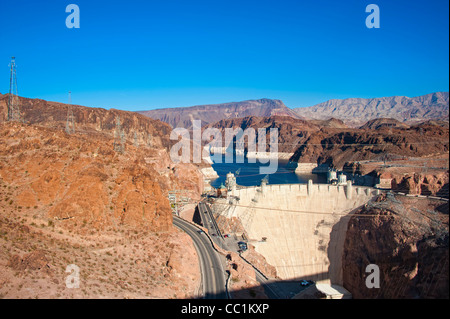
{"x":145,"y":54}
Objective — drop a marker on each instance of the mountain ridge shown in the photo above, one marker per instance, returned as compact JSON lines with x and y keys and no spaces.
{"x":357,"y":111}
{"x":211,"y":113}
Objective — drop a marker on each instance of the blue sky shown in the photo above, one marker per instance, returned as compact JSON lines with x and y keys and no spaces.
{"x":145,"y":54}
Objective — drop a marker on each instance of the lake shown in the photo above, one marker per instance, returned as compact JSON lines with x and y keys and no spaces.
{"x":249,"y":174}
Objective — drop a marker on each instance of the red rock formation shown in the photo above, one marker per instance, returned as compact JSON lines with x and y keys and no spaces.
{"x":340,"y":146}
{"x":82,"y":178}
{"x":435,"y":184}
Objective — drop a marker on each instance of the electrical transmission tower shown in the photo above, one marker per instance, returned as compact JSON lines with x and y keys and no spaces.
{"x":13,"y":101}
{"x":119,"y":137}
{"x":70,"y":124}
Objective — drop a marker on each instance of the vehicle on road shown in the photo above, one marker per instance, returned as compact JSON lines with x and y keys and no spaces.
{"x":305,"y":283}
{"x":242,"y":246}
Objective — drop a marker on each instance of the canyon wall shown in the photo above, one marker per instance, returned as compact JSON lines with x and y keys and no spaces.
{"x":407,"y":238}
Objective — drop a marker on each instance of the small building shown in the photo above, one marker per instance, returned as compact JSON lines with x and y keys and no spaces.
{"x":332,"y":177}
{"x":230,"y":182}
{"x":342,"y":179}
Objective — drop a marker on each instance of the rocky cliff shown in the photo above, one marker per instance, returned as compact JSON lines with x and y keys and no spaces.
{"x":407,"y":238}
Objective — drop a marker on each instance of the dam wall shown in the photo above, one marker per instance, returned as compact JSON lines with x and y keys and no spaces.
{"x":304,"y":226}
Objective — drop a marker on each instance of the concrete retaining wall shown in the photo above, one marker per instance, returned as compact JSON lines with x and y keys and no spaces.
{"x":305,"y":226}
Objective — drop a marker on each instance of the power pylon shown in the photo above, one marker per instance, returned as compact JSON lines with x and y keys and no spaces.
{"x":70,"y":124}
{"x":119,"y":137}
{"x":13,"y":101}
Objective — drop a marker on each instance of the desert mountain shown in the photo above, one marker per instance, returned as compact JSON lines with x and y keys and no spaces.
{"x":357,"y":111}
{"x":135,"y":127}
{"x":331,"y":142}
{"x":72,"y":199}
{"x":291,"y":132}
{"x":62,"y":163}
{"x":183,"y":116}
{"x":373,"y":143}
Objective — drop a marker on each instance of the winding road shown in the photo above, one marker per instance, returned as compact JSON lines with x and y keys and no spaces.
{"x":213,"y":276}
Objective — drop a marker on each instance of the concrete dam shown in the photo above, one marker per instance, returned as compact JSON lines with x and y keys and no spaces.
{"x":300,"y":228}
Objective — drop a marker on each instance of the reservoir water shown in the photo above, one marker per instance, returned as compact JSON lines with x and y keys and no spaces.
{"x":247,"y":174}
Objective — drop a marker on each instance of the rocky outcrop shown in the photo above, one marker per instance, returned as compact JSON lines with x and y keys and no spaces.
{"x":338,"y":147}
{"x":407,"y":238}
{"x":35,"y":260}
{"x":243,"y":283}
{"x":422,"y":184}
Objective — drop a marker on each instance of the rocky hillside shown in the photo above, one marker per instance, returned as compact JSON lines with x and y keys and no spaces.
{"x":82,"y":178}
{"x":183,"y":116}
{"x":408,"y":239}
{"x":357,"y":111}
{"x":136,"y":128}
{"x":291,"y":131}
{"x":338,"y":147}
{"x":383,"y":122}
{"x":72,"y":199}
{"x":409,"y":151}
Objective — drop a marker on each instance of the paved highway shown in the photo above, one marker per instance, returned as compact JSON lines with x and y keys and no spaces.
{"x":213,"y":276}
{"x":209,"y":222}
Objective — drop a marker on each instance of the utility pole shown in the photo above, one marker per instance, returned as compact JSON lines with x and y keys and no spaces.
{"x":70,"y":124}
{"x":13,"y":99}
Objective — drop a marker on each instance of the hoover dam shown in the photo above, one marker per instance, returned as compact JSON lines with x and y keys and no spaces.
{"x":299,"y":228}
